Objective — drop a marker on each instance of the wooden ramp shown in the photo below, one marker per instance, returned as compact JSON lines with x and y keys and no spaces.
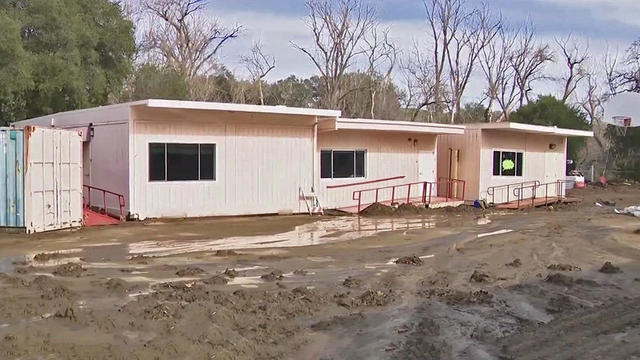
{"x":529,"y":203}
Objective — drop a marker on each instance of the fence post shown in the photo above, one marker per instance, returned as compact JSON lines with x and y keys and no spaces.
{"x":393,"y":194}
{"x":409,"y":194}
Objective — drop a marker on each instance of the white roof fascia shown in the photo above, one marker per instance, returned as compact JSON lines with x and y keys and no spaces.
{"x":533,"y":129}
{"x":397,"y":126}
{"x":262,"y":109}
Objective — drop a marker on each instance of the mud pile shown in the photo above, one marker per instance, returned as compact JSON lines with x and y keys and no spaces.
{"x":410,"y":260}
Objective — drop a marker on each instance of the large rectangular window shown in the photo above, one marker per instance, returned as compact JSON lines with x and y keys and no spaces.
{"x":182,"y":162}
{"x":342,"y":164}
{"x":507,"y":163}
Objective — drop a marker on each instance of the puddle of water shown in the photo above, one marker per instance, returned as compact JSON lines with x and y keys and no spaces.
{"x":499,"y":232}
{"x":316,"y":233}
{"x":245,"y":280}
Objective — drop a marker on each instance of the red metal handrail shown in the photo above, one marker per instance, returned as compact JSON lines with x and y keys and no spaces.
{"x":426,"y":186}
{"x":120,"y":197}
{"x":366,"y":182}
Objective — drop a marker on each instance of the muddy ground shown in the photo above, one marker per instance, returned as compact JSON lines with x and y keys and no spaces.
{"x":446,"y":284}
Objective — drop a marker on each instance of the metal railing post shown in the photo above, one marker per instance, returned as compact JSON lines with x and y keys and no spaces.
{"x":393,"y":194}
{"x":409,"y":194}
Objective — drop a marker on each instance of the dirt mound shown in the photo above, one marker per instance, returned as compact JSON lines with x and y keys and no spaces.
{"x":374,"y":298}
{"x":188,"y":292}
{"x":190,"y":271}
{"x":42,"y":257}
{"x":231,"y":273}
{"x":160,"y":311}
{"x":609,"y":268}
{"x":69,"y":270}
{"x":300,"y":272}
{"x":410,"y":260}
{"x":479,"y":277}
{"x":225,"y":253}
{"x":378,"y":209}
{"x":562,"y":304}
{"x":563,"y":267}
{"x":140,"y":259}
{"x":302,"y":291}
{"x":559,"y":279}
{"x":50,"y":288}
{"x":273,"y":276}
{"x":68,"y":313}
{"x":409,"y":209}
{"x":216,"y":280}
{"x":117,"y":286}
{"x":458,"y":297}
{"x":352,"y":282}
{"x":515,"y":263}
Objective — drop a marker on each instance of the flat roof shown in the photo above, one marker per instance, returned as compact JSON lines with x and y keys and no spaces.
{"x":263,"y":109}
{"x":531,"y":129}
{"x":393,"y":126}
{"x":199,"y":105}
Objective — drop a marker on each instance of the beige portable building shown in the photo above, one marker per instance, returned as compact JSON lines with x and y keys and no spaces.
{"x":171,"y":158}
{"x":503,"y":161}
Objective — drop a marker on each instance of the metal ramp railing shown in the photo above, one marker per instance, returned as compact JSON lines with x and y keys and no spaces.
{"x":104,"y":210}
{"x":424,"y":192}
{"x":312,"y":201}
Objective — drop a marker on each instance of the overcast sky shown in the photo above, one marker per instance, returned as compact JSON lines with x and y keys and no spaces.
{"x":604,"y":24}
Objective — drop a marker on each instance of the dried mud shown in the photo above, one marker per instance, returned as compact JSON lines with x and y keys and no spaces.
{"x":538,"y":292}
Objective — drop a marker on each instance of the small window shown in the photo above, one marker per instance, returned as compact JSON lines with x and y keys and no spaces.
{"x":507,"y":163}
{"x":157,"y":162}
{"x":342,"y":164}
{"x":182,"y":162}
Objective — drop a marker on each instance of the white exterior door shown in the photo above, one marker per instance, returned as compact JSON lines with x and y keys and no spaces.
{"x":426,"y":166}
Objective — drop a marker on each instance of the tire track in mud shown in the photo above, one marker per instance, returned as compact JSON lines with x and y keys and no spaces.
{"x":596,"y":333}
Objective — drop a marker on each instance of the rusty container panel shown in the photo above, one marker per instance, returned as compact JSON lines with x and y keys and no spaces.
{"x":11,"y":178}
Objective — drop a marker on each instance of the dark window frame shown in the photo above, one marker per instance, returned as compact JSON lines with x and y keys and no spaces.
{"x":200,"y":178}
{"x":518,"y":158}
{"x":356,"y":174}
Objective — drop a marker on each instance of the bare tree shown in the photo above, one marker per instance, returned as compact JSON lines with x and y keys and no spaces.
{"x":183,"y":37}
{"x":444,"y":19}
{"x":528,"y":61}
{"x":611,"y":72}
{"x":421,"y":88}
{"x":259,"y":66}
{"x":574,"y":55}
{"x":382,"y":56}
{"x":495,"y":61}
{"x":476,"y":30}
{"x":338,"y":28}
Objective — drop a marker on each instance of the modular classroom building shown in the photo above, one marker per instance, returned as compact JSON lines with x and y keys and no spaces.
{"x":190,"y":159}
{"x":503,"y":162}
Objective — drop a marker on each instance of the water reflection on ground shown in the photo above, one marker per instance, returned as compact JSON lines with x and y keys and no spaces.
{"x":315,"y":233}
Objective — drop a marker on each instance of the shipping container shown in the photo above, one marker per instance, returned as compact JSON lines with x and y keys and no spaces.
{"x":41,"y":179}
{"x":11,"y":178}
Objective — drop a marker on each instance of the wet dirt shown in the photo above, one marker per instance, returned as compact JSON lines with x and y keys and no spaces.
{"x":69,"y":269}
{"x":563,"y":267}
{"x":521,"y":309}
{"x":410,"y":260}
{"x":609,"y":268}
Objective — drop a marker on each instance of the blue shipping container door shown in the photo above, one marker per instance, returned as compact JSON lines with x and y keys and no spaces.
{"x":11,"y":178}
